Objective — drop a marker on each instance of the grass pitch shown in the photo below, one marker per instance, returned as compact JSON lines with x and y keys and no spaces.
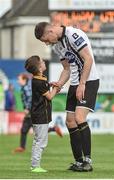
{"x":56,"y":159}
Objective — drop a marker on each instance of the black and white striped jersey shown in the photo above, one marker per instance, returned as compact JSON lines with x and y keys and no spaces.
{"x":68,"y":47}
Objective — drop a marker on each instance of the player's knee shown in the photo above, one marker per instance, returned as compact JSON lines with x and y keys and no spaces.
{"x":80,"y":119}
{"x":70,"y":123}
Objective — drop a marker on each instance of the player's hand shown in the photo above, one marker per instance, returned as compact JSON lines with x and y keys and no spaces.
{"x":80,"y":92}
{"x":57,"y":85}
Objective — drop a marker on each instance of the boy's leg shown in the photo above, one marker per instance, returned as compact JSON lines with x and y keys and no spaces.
{"x":39,"y":143}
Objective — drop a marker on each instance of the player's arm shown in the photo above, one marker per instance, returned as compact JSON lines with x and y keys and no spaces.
{"x":65,"y":74}
{"x":50,"y":94}
{"x":88,"y":60}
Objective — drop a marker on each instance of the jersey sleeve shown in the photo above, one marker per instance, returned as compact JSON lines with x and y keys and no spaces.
{"x":78,"y":39}
{"x":43,"y":87}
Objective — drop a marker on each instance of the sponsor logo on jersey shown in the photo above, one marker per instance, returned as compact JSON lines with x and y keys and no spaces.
{"x":79,"y":41}
{"x":70,"y":56}
{"x":83,"y":101}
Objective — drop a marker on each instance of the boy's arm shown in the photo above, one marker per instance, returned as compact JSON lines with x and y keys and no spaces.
{"x":50,"y":94}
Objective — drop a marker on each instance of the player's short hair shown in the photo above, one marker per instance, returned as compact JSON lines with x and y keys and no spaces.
{"x":39,"y":29}
{"x":32,"y":64}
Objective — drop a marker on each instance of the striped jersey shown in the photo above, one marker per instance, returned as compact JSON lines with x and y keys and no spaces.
{"x":68,"y":46}
{"x":26,"y":95}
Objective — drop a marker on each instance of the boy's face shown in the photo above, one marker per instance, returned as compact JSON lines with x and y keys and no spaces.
{"x":42,"y":65}
{"x":21,"y":81}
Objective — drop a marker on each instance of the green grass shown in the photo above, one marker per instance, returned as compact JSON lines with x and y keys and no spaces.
{"x":56,"y":159}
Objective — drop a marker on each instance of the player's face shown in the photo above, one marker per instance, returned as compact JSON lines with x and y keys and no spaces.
{"x":49,"y":37}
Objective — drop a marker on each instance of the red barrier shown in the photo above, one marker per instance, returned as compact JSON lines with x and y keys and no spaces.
{"x":15,"y":122}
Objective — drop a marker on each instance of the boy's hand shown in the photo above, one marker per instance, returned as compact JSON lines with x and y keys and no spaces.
{"x":52,"y":84}
{"x":57,"y":85}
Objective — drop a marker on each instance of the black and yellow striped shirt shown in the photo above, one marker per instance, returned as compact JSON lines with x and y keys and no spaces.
{"x":41,"y":107}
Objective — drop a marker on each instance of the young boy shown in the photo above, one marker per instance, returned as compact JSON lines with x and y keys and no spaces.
{"x":40,"y":109}
{"x":24,"y":81}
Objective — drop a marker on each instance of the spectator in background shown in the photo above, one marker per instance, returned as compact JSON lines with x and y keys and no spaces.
{"x":2,"y":96}
{"x":24,"y":81}
{"x":10,"y":98}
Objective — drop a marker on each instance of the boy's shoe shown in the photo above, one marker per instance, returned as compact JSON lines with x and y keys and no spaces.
{"x":38,"y":170}
{"x":58,"y":131}
{"x":19,"y":150}
{"x":87,"y":166}
{"x":76,"y":167}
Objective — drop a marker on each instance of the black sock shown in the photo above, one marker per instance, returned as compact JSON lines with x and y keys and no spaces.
{"x":75,"y":141}
{"x":86,"y":139}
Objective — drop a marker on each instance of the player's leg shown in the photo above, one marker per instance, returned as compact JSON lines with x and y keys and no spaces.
{"x":75,"y":141}
{"x":81,"y":112}
{"x":80,"y":116}
{"x":74,"y":133}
